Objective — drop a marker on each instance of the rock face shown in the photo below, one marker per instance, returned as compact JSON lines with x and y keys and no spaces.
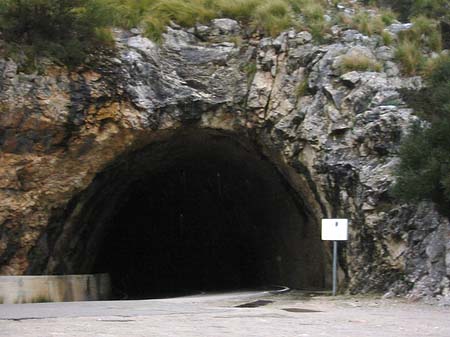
{"x":335,"y":133}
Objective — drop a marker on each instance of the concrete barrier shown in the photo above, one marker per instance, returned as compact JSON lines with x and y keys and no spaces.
{"x":54,"y":288}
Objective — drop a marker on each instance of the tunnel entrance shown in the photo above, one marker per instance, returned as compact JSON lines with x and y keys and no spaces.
{"x":202,"y":210}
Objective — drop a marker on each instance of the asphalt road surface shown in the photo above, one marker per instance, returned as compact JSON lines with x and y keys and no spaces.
{"x":260,"y":314}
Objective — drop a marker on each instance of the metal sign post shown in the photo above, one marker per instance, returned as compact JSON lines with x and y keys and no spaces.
{"x":334,"y":230}
{"x":334,"y":267}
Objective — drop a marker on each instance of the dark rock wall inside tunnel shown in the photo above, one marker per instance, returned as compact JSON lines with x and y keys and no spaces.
{"x":200,"y":211}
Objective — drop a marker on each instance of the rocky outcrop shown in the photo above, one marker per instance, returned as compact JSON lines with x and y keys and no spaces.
{"x":336,"y":131}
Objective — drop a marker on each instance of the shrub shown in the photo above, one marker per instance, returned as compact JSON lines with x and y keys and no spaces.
{"x":60,"y":29}
{"x":410,"y":8}
{"x":440,"y":72}
{"x":438,"y":94}
{"x":424,"y":170}
{"x":430,"y":8}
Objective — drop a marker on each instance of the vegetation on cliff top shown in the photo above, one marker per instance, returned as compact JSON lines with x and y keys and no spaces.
{"x":67,"y":30}
{"x":64,"y":30}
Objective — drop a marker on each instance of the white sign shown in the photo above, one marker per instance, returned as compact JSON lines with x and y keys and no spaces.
{"x":335,"y":229}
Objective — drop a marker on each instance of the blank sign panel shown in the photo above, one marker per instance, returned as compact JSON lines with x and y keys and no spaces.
{"x":335,"y":229}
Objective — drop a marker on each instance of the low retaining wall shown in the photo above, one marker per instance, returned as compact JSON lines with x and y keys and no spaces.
{"x":54,"y":288}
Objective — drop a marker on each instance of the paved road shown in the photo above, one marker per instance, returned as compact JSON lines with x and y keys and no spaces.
{"x":288,"y":314}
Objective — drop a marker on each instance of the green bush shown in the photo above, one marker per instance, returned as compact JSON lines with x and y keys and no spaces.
{"x":437,"y":95}
{"x":64,"y":30}
{"x":424,"y":170}
{"x":411,"y":8}
{"x":430,"y":8}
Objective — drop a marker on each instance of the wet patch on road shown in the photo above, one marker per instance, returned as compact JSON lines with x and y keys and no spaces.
{"x":254,"y":304}
{"x":24,"y":319}
{"x":117,"y":320}
{"x":300,"y":310}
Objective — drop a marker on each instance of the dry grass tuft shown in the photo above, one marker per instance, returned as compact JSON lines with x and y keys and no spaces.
{"x":410,"y":57}
{"x":268,"y":17}
{"x":368,"y":24}
{"x":358,"y":62}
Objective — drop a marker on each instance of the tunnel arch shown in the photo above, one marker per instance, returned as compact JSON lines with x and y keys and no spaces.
{"x":197,"y":209}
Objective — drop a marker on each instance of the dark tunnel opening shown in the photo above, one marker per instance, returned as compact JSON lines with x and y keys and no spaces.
{"x":201,"y":211}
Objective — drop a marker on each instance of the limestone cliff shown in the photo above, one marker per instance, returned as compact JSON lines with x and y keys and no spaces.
{"x":333,"y":135}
